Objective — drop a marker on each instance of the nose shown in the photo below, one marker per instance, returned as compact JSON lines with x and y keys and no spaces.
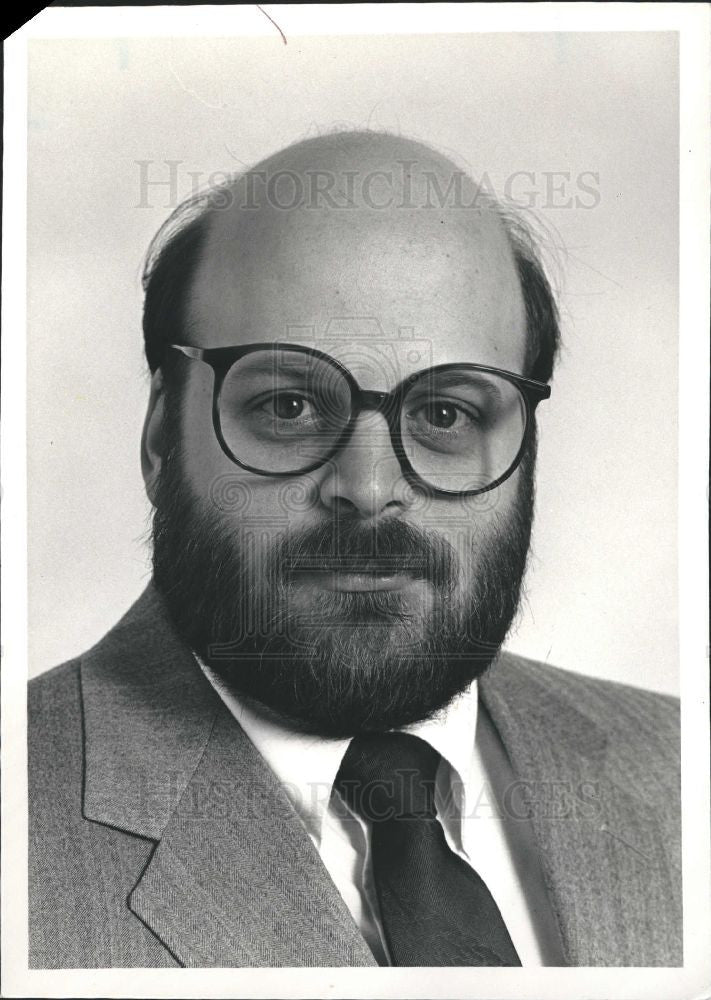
{"x":365,"y":477}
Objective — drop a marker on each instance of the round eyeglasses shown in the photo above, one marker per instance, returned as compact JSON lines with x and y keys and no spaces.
{"x":285,"y":410}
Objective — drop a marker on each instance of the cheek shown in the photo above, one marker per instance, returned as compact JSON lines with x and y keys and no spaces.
{"x":202,"y":458}
{"x":262,"y":507}
{"x":470,"y":525}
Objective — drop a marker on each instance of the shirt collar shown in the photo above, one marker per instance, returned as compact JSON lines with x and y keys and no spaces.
{"x":307,"y":765}
{"x":452,"y":732}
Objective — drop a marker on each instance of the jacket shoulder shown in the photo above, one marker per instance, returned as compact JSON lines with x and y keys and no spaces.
{"x":608,"y":703}
{"x":59,"y":682}
{"x":641,"y":727}
{"x":54,"y":709}
{"x":80,"y":872}
{"x":54,"y":741}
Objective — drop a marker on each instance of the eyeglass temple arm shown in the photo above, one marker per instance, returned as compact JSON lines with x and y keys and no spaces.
{"x":196,"y":353}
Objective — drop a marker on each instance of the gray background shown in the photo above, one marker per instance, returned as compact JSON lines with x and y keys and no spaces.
{"x":602,"y":587}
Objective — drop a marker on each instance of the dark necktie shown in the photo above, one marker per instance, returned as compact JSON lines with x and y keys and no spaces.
{"x":434,"y":908}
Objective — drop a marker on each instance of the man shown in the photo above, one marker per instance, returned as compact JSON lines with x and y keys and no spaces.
{"x":303,"y":744}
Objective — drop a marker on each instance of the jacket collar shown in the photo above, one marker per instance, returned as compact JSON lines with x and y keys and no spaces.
{"x":235,"y":879}
{"x":148,"y":713}
{"x":603,"y":849}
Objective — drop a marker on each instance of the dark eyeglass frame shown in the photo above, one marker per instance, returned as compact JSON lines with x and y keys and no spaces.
{"x":389,"y":404}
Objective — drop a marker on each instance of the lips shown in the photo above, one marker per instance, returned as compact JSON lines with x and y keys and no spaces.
{"x":351,"y":581}
{"x":358,"y":574}
{"x":386,"y":566}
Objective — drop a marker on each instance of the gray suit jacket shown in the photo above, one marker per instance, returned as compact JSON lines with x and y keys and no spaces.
{"x":159,"y":837}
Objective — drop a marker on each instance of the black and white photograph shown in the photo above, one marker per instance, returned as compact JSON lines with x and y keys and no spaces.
{"x":355,"y":451}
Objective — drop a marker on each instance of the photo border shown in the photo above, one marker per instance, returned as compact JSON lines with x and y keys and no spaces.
{"x":692,"y":23}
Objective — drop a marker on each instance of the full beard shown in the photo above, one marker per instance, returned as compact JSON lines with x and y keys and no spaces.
{"x":338,"y":663}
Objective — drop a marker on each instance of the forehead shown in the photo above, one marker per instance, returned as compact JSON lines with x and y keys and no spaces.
{"x":418,"y":287}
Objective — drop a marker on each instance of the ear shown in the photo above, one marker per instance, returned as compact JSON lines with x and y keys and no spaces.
{"x":152,"y":442}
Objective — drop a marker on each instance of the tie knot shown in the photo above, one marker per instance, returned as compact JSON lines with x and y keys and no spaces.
{"x":388,"y":775}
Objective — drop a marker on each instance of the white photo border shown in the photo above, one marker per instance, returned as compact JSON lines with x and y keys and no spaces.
{"x":691,"y":21}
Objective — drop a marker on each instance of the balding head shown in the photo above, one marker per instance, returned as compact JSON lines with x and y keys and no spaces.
{"x":361,"y":224}
{"x":345,"y":226}
{"x":356,"y":170}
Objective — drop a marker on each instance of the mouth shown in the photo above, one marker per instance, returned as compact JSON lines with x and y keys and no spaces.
{"x":357,"y":574}
{"x":354,"y":581}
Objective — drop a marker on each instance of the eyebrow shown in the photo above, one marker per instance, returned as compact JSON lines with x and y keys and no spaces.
{"x":448,"y":380}
{"x":305,"y":365}
{"x":273,"y":365}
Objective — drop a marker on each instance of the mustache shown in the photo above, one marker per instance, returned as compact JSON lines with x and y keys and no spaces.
{"x":392,"y":546}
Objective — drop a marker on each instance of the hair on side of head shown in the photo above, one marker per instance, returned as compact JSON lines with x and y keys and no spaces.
{"x":167,"y":274}
{"x":542,"y":315}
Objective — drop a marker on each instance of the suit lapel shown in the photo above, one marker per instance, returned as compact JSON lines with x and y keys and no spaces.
{"x":234,"y":879}
{"x":148,"y":713}
{"x":602,"y":848}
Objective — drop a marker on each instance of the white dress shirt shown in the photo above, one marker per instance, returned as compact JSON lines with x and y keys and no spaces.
{"x":471,"y":779}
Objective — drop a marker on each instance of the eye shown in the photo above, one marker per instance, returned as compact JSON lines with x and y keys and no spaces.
{"x":442,"y":415}
{"x":286,"y":405}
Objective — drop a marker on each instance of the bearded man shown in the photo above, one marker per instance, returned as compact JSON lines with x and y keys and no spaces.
{"x":304,"y":745}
